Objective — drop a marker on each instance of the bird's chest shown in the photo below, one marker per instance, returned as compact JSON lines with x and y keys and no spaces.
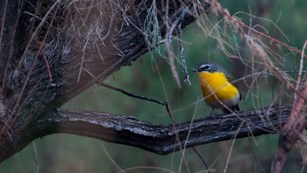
{"x":216,"y":86}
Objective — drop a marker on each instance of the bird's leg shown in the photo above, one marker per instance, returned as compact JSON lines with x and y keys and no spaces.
{"x":212,"y":114}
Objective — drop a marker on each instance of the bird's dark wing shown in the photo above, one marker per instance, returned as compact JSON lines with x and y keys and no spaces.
{"x":230,"y":79}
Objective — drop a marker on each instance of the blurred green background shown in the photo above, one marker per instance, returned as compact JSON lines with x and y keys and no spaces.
{"x":62,"y":153}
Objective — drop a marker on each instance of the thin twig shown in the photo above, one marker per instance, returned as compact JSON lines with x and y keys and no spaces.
{"x":35,"y":155}
{"x":231,"y":147}
{"x":157,"y":102}
{"x":201,"y":158}
{"x":47,"y":64}
{"x":133,"y":95}
{"x":300,"y":70}
{"x":171,"y":57}
{"x":38,"y":28}
{"x":238,"y":23}
{"x":178,"y":24}
{"x":255,"y":156}
{"x":111,"y":159}
{"x":186,"y":139}
{"x":182,"y":58}
{"x":140,"y":97}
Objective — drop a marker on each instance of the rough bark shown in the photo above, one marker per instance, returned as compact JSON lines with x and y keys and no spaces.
{"x":53,"y":50}
{"x":161,"y":139}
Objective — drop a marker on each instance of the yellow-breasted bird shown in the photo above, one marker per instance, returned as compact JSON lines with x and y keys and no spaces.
{"x":217,"y":87}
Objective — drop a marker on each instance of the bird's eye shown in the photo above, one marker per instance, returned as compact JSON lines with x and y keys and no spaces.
{"x":206,"y":68}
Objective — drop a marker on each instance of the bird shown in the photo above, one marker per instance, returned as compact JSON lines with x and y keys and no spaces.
{"x":218,"y":90}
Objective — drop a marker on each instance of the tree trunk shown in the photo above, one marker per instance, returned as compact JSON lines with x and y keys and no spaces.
{"x":53,"y":50}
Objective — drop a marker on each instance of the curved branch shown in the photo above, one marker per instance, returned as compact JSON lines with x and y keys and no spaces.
{"x":162,"y":139}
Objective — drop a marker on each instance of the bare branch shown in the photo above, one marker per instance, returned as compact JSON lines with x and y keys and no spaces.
{"x":161,"y":139}
{"x":290,"y":132}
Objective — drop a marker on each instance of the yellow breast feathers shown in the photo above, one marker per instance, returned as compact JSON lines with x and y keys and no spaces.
{"x":215,"y":86}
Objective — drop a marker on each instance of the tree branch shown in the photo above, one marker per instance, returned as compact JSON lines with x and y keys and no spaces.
{"x":162,"y":139}
{"x":290,"y":131}
{"x":50,"y":51}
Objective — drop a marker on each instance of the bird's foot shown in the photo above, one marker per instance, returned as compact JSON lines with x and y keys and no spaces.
{"x":213,"y":115}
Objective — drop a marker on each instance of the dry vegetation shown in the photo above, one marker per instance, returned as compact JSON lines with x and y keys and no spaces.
{"x":65,"y":47}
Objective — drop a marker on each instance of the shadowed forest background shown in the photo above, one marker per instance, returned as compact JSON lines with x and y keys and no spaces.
{"x":151,"y":76}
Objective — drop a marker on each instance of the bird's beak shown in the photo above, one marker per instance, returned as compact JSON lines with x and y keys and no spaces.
{"x":194,"y":70}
